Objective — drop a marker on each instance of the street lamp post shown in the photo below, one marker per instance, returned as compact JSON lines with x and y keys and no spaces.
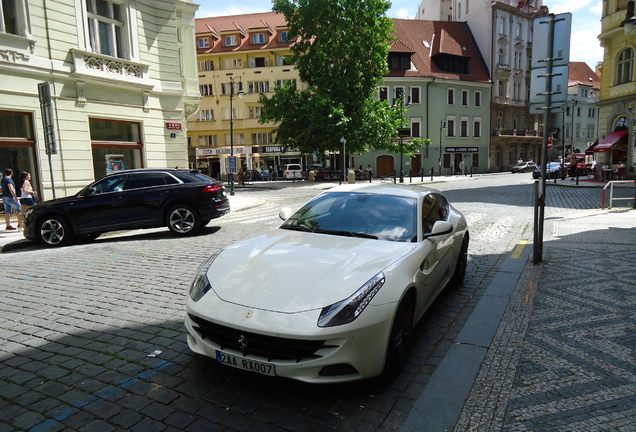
{"x":240,"y":93}
{"x":402,"y":132}
{"x":442,"y":125}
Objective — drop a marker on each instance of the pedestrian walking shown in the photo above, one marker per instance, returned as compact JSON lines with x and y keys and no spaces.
{"x":10,"y":200}
{"x":27,"y":194}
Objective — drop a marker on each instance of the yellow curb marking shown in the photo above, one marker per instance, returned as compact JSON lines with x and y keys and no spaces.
{"x":519,"y":249}
{"x":529,"y":292}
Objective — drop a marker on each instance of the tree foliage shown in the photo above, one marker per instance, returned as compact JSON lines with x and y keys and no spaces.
{"x":341,"y":52}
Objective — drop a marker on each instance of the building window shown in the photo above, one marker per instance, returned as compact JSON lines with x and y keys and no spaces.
{"x":258,"y":38}
{"x":286,"y":82}
{"x":515,"y":121}
{"x":259,"y":62}
{"x":625,"y":66}
{"x":416,"y":129}
{"x":256,"y":112}
{"x":383,"y":93}
{"x":284,"y":35}
{"x":477,"y":98}
{"x":262,"y":138}
{"x":450,"y":126}
{"x":567,"y":131}
{"x":237,"y":113}
{"x":477,"y":127}
{"x":591,"y":112}
{"x":518,"y":57}
{"x":206,"y":89}
{"x":13,"y":18}
{"x":501,"y":59}
{"x":115,"y":141}
{"x":234,"y":87}
{"x":500,"y":119}
{"x":398,"y":93}
{"x":465,"y":97}
{"x":415,"y":95}
{"x":451,"y":96}
{"x":239,"y":139}
{"x":517,"y":91}
{"x":208,"y":141}
{"x":206,"y":115}
{"x":285,"y":60}
{"x":502,"y":25}
{"x":106,"y":27}
{"x":463,"y":127}
{"x":206,"y":66}
{"x":475,"y":160}
{"x":233,"y":63}
{"x":258,"y":86}
{"x":501,"y":88}
{"x":231,"y":40}
{"x":17,"y":144}
{"x":578,"y":112}
{"x":519,"y":30}
{"x":203,"y":42}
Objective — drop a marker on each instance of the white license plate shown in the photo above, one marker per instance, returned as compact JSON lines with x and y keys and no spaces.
{"x":245,"y":364}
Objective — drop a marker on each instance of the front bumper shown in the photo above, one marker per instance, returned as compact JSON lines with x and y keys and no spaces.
{"x":350,"y":352}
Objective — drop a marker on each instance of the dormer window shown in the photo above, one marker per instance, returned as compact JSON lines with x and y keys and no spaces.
{"x":203,"y":42}
{"x":399,"y":61}
{"x":231,"y":40}
{"x":258,"y":38}
{"x":284,"y":35}
{"x":452,"y":64}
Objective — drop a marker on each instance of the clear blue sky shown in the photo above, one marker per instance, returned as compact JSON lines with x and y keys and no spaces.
{"x":586,"y":19}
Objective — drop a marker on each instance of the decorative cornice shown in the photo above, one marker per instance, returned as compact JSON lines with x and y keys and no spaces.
{"x":118,"y":67}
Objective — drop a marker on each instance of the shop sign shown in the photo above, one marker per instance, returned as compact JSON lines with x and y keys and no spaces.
{"x":270,"y":149}
{"x":174,"y":125}
{"x":462,"y":149}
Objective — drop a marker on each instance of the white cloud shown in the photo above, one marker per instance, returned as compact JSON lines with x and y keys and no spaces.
{"x":563,"y":6}
{"x":597,"y":9}
{"x":401,"y":13}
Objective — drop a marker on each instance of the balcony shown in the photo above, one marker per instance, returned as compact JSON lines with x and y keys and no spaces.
{"x":516,"y":132}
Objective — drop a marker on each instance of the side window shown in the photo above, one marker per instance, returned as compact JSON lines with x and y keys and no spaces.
{"x":145,"y":180}
{"x":434,"y":208}
{"x":111,"y":184}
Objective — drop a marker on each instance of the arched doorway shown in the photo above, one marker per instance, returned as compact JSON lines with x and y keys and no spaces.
{"x":386,"y":165}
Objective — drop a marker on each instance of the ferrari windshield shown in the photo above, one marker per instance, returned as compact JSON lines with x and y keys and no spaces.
{"x":367,"y":215}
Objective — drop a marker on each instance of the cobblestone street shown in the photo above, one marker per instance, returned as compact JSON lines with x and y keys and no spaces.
{"x":92,"y":336}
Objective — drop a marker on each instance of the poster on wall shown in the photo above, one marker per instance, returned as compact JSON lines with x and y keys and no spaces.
{"x":114,"y":162}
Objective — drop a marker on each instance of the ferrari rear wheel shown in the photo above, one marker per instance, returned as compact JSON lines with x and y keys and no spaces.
{"x":400,"y":340}
{"x":462,"y":263}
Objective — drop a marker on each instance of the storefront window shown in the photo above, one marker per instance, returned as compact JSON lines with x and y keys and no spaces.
{"x":17,"y":147}
{"x":116,"y":146}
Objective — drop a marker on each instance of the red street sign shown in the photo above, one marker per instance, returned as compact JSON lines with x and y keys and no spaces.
{"x":549,"y":144}
{"x":174,"y":126}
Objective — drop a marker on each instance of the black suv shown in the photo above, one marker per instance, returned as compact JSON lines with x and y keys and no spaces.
{"x":182,"y":200}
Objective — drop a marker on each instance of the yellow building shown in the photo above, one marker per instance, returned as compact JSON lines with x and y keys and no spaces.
{"x":239,"y":57}
{"x":618,"y":90}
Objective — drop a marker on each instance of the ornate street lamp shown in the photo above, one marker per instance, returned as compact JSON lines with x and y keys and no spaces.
{"x":442,"y":125}
{"x":630,"y":20}
{"x":240,"y":93}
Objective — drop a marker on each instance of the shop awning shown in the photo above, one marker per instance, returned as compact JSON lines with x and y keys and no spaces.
{"x":607,"y":143}
{"x":591,"y":148}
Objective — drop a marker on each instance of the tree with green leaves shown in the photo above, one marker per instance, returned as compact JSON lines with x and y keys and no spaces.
{"x":341,"y":50}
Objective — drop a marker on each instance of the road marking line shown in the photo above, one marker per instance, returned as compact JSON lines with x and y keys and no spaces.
{"x":516,"y":253}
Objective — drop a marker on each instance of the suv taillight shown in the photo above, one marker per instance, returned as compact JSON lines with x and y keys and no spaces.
{"x":212,"y":188}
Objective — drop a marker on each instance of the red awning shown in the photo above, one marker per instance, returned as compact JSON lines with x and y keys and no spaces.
{"x":590,"y":149}
{"x":607,"y":143}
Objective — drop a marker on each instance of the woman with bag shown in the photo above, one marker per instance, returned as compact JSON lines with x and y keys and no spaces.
{"x":27,"y":194}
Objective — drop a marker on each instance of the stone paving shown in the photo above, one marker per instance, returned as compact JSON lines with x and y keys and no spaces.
{"x":83,"y":357}
{"x":563,"y":357}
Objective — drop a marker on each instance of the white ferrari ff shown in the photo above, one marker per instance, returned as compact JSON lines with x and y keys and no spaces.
{"x":332,"y":294}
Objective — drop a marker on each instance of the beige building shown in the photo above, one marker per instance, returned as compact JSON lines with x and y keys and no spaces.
{"x":618,"y":90}
{"x":123,"y":82}
{"x":239,"y":57}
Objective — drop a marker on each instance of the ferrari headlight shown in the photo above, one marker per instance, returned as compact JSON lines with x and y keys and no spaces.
{"x":201,"y":284}
{"x":349,"y":309}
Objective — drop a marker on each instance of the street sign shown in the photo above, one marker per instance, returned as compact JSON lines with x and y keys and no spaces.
{"x":232,"y":164}
{"x":560,"y":78}
{"x":404,"y":132}
{"x":539,"y":108}
{"x":562,"y":30}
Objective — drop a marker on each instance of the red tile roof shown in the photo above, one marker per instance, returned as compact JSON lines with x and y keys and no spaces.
{"x":581,"y":73}
{"x":430,"y":38}
{"x":241,"y":25}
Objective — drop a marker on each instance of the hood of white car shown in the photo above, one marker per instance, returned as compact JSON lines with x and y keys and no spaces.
{"x":291,"y":271}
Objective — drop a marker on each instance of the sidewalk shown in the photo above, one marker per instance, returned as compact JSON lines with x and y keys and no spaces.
{"x":561,"y":356}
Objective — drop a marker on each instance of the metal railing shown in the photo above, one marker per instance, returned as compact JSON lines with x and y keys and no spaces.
{"x":611,"y":193}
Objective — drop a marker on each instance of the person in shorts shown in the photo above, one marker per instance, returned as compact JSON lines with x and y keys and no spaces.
{"x":26,"y":192}
{"x":10,"y":200}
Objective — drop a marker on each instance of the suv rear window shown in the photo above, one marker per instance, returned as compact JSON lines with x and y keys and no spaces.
{"x":191,"y":177}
